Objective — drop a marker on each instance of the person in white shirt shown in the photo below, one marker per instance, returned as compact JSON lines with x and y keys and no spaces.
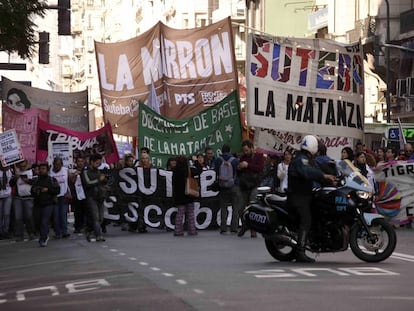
{"x":61,"y":208}
{"x":282,"y":169}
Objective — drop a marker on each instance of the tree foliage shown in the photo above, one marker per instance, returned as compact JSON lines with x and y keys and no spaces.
{"x":17,"y":27}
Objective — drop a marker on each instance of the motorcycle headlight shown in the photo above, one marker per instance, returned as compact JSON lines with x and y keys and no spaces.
{"x":364,"y":195}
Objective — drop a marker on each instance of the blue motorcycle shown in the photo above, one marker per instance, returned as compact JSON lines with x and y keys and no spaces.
{"x":342,"y":216}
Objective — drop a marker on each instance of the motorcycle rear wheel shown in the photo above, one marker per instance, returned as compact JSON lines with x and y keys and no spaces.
{"x":279,"y":251}
{"x":373,"y":251}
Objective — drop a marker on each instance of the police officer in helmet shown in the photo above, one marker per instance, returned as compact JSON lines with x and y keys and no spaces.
{"x":302,"y":173}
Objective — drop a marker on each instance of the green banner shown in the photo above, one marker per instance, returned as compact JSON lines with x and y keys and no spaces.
{"x":212,"y":127}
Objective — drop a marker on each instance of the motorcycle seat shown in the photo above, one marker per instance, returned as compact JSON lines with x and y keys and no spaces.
{"x":276,"y":199}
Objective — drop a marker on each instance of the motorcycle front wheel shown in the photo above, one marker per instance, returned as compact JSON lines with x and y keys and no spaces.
{"x":281,"y":252}
{"x":375,"y":249}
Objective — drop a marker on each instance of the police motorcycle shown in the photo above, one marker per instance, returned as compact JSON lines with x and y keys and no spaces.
{"x":342,"y":216}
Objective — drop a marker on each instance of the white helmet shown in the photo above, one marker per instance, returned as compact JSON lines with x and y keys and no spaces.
{"x":310,"y":143}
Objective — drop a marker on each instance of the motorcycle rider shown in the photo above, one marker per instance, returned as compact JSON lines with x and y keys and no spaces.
{"x":302,"y":172}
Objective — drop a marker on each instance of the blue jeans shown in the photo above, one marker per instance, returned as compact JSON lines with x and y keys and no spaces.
{"x":23,"y":214}
{"x":5,"y":209}
{"x":45,"y":213}
{"x":60,"y":216}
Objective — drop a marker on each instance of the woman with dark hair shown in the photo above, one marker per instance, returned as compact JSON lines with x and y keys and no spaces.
{"x":347,"y":153}
{"x":360,"y":163}
{"x":182,"y":202}
{"x":17,"y":100}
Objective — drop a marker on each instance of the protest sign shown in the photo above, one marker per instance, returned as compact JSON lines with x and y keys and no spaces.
{"x":213,"y":127}
{"x":10,"y":149}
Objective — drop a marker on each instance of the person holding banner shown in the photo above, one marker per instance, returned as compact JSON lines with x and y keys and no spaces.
{"x":409,"y":154}
{"x":183,"y":202}
{"x":93,"y":182}
{"x":60,"y":212}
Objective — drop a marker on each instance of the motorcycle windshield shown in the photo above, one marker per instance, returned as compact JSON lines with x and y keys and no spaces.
{"x":354,"y":177}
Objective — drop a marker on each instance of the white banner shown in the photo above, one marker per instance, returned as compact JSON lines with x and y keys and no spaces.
{"x":395,"y":197}
{"x":276,"y":142}
{"x":305,"y":86}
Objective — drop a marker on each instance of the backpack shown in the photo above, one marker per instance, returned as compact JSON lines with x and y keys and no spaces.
{"x":226,"y":174}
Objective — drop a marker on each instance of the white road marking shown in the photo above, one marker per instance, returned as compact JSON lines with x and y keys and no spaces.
{"x":392,"y":297}
{"x":181,"y":282}
{"x":167,"y":274}
{"x":402,"y":256}
{"x":143,"y":263}
{"x":113,"y":250}
{"x":132,"y":258}
{"x":121,"y":254}
{"x":155,"y":269}
{"x":198,"y":291}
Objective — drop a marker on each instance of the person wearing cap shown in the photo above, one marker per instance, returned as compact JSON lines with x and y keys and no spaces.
{"x":302,"y":172}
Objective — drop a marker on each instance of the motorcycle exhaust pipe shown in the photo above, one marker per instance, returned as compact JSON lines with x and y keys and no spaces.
{"x":283,"y":239}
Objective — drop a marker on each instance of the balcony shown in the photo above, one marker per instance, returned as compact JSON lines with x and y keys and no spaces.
{"x":407,"y":21}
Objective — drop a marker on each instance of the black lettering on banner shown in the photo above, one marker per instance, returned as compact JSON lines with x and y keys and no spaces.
{"x":256,"y":103}
{"x":346,"y":114}
{"x":270,"y":108}
{"x":409,"y":211}
{"x":147,"y":193}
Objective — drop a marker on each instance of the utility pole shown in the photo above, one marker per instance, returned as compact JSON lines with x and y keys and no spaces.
{"x":387,"y":60}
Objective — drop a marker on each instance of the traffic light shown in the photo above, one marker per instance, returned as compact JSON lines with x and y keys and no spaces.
{"x":43,"y":47}
{"x":64,"y":18}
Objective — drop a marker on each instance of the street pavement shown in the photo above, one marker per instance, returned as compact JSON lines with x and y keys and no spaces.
{"x":157,"y":271}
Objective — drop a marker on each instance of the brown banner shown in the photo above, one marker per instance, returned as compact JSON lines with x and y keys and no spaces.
{"x":191,"y":70}
{"x":68,"y":110}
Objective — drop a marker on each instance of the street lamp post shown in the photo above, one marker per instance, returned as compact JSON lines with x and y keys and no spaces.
{"x":387,"y":56}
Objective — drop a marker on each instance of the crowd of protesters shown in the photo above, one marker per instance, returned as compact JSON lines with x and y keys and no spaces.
{"x":38,"y":197}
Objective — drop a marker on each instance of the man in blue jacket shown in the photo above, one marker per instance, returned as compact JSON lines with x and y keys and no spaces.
{"x":302,"y":173}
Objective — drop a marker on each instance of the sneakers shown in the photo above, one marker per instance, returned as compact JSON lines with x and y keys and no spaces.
{"x":43,"y":243}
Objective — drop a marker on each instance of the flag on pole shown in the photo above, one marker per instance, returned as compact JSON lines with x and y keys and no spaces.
{"x":403,"y":141}
{"x":153,"y":99}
